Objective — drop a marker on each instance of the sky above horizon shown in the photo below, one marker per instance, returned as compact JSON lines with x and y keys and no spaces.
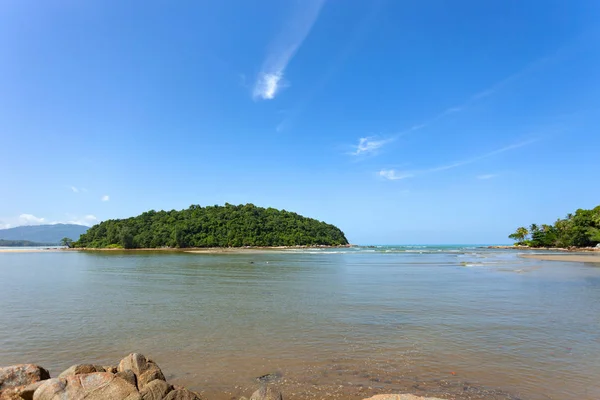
{"x":398,"y":121}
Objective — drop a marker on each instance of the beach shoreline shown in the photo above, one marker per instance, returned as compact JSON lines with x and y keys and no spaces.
{"x":556,"y":249}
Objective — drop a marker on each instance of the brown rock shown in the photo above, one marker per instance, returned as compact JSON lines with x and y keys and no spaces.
{"x":111,"y":369}
{"x":21,"y":375}
{"x":94,"y":386}
{"x":149,"y":376}
{"x":135,"y":362}
{"x":80,"y":369}
{"x":129,"y":376}
{"x":12,"y":393}
{"x":27,"y":392}
{"x":400,"y":397}
{"x":155,"y":390}
{"x":182,"y":394}
{"x":266,"y":393}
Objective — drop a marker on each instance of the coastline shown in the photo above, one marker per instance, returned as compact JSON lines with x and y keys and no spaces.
{"x":557,"y":249}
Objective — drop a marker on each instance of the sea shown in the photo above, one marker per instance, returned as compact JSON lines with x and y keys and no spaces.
{"x":456,"y":322}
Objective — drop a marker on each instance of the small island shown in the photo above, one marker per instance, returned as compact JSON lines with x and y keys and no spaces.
{"x":575,"y":231}
{"x":213,"y":226}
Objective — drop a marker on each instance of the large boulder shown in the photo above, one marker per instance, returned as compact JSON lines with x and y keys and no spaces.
{"x":155,"y":390}
{"x":94,"y":386}
{"x":182,"y":394}
{"x":154,"y":373}
{"x":400,"y":397}
{"x":135,"y":362}
{"x":266,"y":393}
{"x":129,"y":376}
{"x":21,"y":375}
{"x":79,"y":369}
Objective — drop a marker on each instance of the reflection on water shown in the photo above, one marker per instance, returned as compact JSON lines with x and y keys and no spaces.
{"x":343,"y":322}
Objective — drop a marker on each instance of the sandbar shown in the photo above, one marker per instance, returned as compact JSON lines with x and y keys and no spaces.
{"x":585,"y":258}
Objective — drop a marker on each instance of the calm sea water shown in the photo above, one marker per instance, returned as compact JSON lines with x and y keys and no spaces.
{"x":455,"y":321}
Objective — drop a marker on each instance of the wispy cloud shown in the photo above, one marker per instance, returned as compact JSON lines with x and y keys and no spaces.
{"x":392,"y":174}
{"x":486,"y":176}
{"x":369,"y":145}
{"x":270,"y":78}
{"x":487,"y":92}
{"x":30,"y":219}
{"x":105,"y":198}
{"x":74,"y":189}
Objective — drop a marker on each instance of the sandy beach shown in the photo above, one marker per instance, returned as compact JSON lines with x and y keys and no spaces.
{"x":591,"y":258}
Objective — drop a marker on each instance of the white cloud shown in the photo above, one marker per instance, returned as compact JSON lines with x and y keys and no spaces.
{"x":105,"y":198}
{"x":270,"y":78}
{"x":87,"y":220}
{"x":368,"y":145}
{"x":393,"y":175}
{"x":487,"y":176}
{"x":29,"y":219}
{"x":74,"y":189}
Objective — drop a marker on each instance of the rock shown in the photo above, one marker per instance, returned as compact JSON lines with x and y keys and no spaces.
{"x":94,"y":386}
{"x":21,"y":375}
{"x":266,"y":393}
{"x":182,"y":394}
{"x":27,"y":392}
{"x":135,"y":362}
{"x":155,"y":390}
{"x":111,"y":369}
{"x":129,"y":376}
{"x":150,"y":375}
{"x":80,"y":369}
{"x":400,"y":397}
{"x":269,"y":377}
{"x":12,"y":393}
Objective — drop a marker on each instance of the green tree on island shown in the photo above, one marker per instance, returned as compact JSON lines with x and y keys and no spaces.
{"x":67,"y":242}
{"x":520,"y":235}
{"x":581,"y":229}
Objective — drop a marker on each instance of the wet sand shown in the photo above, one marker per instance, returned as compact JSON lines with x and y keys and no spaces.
{"x":584,"y":258}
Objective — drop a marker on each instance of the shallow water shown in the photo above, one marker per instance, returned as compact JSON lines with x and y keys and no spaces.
{"x":451,"y":321}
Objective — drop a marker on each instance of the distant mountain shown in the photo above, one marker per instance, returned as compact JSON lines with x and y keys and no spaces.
{"x":22,"y":243}
{"x":44,"y":233}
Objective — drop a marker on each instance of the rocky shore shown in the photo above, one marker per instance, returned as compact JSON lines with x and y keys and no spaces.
{"x":134,"y":378}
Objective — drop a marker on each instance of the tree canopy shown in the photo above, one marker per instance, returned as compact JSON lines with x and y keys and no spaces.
{"x":581,"y":229}
{"x":212,"y":226}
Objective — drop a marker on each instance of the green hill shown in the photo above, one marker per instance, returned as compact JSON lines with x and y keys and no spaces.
{"x":213,"y":226}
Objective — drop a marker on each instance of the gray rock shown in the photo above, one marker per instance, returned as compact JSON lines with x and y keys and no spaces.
{"x":182,"y":394}
{"x":155,"y":390}
{"x":94,"y":386}
{"x":129,"y":376}
{"x":22,"y":375}
{"x":266,"y":393}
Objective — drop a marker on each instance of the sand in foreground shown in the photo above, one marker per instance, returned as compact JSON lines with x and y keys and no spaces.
{"x":592,"y":258}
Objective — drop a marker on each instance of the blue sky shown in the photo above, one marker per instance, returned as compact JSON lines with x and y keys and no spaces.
{"x":398,"y":121}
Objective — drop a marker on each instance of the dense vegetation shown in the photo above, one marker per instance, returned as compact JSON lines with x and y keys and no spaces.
{"x":213,"y":226}
{"x":581,"y":229}
{"x":21,"y":243}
